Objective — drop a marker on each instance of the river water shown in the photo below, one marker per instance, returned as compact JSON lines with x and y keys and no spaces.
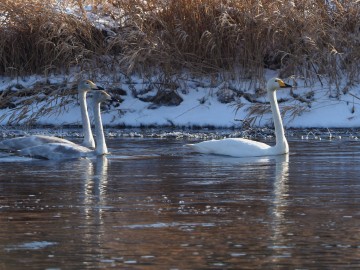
{"x":154,"y":204}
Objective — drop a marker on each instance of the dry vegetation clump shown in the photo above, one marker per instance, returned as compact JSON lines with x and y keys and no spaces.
{"x":308,"y":38}
{"x":37,"y":37}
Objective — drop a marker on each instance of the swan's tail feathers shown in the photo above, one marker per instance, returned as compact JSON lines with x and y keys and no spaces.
{"x":14,"y":144}
{"x":3,"y":146}
{"x":19,"y":143}
{"x":191,"y":146}
{"x":55,"y":151}
{"x":197,"y":147}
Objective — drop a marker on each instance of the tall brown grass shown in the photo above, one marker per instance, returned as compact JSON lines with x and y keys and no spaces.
{"x":309,"y":38}
{"x":37,"y":37}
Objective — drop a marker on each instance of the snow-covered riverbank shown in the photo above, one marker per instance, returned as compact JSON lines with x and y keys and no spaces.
{"x":305,"y":106}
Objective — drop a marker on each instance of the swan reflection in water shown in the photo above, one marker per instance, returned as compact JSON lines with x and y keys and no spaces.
{"x":280,"y":244}
{"x":278,"y":199}
{"x":252,"y":170}
{"x":96,"y":179}
{"x":92,"y":225}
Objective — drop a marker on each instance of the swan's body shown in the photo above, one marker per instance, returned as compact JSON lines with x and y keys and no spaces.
{"x":56,"y":151}
{"x":28,"y":141}
{"x":247,"y":148}
{"x":35,"y":140}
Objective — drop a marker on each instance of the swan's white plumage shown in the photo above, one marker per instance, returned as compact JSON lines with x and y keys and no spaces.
{"x":15,"y":144}
{"x":230,"y":147}
{"x":35,"y":140}
{"x":57,"y":151}
{"x":238,"y":147}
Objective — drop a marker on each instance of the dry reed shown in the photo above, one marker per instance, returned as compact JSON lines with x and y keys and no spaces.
{"x":309,"y":38}
{"x":37,"y":37}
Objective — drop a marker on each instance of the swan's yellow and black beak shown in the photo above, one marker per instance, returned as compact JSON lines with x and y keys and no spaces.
{"x":282,"y":84}
{"x":94,"y":86}
{"x":98,"y":88}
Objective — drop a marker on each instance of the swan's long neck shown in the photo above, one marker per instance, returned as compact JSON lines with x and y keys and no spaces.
{"x":281,"y":142}
{"x":88,"y":136}
{"x":101,"y":147}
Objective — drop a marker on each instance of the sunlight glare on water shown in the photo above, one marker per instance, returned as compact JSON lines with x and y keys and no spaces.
{"x":154,"y":204}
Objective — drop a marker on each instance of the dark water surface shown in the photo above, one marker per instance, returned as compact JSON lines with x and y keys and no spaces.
{"x":153,"y":204}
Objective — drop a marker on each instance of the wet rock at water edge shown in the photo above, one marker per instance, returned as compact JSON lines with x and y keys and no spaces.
{"x":164,"y":98}
{"x":226,"y":95}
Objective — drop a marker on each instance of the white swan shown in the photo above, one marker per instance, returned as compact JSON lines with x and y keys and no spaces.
{"x":83,"y":87}
{"x":58,"y":151}
{"x":238,"y":147}
{"x":34,"y":140}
